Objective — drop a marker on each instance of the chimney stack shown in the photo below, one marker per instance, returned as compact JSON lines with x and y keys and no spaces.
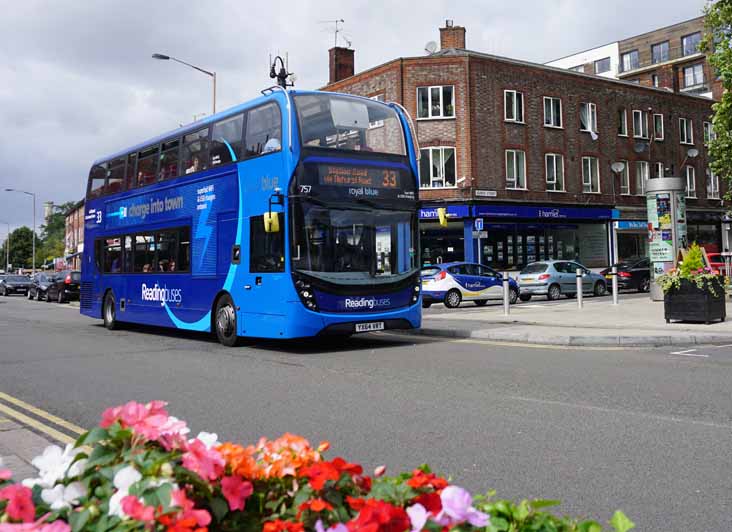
{"x":452,"y":36}
{"x":341,"y":63}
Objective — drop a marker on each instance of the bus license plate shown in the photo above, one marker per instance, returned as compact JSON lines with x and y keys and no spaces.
{"x":373,"y":326}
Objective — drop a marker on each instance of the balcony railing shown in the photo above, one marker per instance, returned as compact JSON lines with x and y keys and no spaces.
{"x":675,"y":53}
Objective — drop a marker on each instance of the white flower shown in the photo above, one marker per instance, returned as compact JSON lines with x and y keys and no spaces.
{"x":60,"y":497}
{"x":209,"y":439}
{"x":123,"y":479}
{"x":53,"y":465}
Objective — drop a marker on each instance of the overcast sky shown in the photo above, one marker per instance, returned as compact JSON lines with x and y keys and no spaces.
{"x":77,"y":81}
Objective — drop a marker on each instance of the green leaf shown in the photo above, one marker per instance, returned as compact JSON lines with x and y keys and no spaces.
{"x":101,"y":456}
{"x":589,"y":526}
{"x":93,"y":436}
{"x":544,"y":503}
{"x":77,"y":520}
{"x":620,"y":522}
{"x":521,"y":512}
{"x":220,"y":508}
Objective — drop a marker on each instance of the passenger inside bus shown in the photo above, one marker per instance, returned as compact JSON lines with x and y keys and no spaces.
{"x":195,"y":165}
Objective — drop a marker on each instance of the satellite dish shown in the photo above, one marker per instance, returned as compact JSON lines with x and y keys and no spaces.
{"x":430,"y":47}
{"x":617,"y":167}
{"x":639,"y":147}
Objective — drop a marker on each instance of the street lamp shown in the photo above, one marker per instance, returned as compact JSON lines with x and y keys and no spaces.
{"x":33,"y":236}
{"x":164,"y":57}
{"x":7,"y":248}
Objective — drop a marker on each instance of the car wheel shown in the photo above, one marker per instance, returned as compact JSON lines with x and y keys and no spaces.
{"x":480,"y":302}
{"x":525,"y":297}
{"x":48,"y":297}
{"x":600,"y":289}
{"x":425,"y":304}
{"x":38,"y":295}
{"x":225,"y":322}
{"x":60,"y":297}
{"x":645,"y":284}
{"x":513,"y":296}
{"x":4,"y":292}
{"x":453,"y":299}
{"x":109,"y":312}
{"x":554,"y":292}
{"x":30,"y":295}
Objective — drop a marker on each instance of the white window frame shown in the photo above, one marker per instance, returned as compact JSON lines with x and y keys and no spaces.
{"x":591,"y":115}
{"x":654,"y":80}
{"x":441,"y":149}
{"x":690,"y":172}
{"x":643,"y":122}
{"x":660,"y":168}
{"x":713,"y":180}
{"x":642,"y":175}
{"x":623,"y":122}
{"x":688,"y":131}
{"x":594,"y":164}
{"x":709,"y":133}
{"x":558,"y":165}
{"x":625,"y":179}
{"x":516,"y":180}
{"x":696,"y":68}
{"x":381,"y":97}
{"x":514,"y":106}
{"x":552,"y":118}
{"x":656,"y":136}
{"x":442,"y":114}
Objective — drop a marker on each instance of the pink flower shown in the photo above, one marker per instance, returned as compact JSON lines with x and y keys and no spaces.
{"x":151,"y":421}
{"x":208,"y":463}
{"x":20,"y":503}
{"x":178,"y":498}
{"x":56,"y":526}
{"x":457,"y":507}
{"x":236,"y":491}
{"x":133,"y":507}
{"x":5,"y":474}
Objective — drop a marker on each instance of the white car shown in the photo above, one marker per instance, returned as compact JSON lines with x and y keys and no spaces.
{"x":455,"y":282}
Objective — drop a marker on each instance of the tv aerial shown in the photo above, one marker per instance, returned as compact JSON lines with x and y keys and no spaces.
{"x":283,"y":73}
{"x":430,"y":47}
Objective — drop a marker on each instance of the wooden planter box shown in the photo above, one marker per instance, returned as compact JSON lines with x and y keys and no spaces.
{"x":690,"y":303}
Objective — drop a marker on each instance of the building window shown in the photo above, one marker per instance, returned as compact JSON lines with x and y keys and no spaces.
{"x":659,"y":52}
{"x":515,"y":170}
{"x":712,"y":184}
{"x":690,"y":182}
{"x":513,"y":110}
{"x":436,"y":102}
{"x":602,"y":65}
{"x":377,"y":123}
{"x":660,"y":169}
{"x":590,"y":175}
{"x":690,"y":43}
{"x":625,"y":179}
{"x":629,"y":61}
{"x":552,"y":112}
{"x":578,"y":68}
{"x":437,"y":168}
{"x":641,"y":176}
{"x":709,"y":134}
{"x":588,"y":117}
{"x":640,"y":124}
{"x":658,"y":133}
{"x":554,"y":172}
{"x":686,"y":131}
{"x":622,"y":122}
{"x":654,"y":80}
{"x":693,"y":76}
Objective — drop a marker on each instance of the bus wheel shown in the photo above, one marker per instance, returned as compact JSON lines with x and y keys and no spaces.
{"x":109,"y":312}
{"x":225,"y":322}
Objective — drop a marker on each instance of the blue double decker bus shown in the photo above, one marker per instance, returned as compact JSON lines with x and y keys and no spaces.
{"x":292,"y":215}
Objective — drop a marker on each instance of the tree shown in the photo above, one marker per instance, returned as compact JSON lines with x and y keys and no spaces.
{"x":21,"y":249}
{"x":54,"y":232}
{"x":717,"y":43}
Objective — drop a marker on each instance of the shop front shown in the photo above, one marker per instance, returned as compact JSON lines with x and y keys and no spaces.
{"x":705,"y":228}
{"x":440,"y":244}
{"x":631,"y":239}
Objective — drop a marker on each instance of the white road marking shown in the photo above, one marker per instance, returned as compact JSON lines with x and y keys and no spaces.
{"x":689,"y":353}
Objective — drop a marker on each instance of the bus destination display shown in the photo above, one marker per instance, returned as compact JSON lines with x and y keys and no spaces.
{"x":346,"y":176}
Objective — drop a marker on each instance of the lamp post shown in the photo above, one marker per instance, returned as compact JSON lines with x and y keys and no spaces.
{"x":7,"y":248}
{"x":617,"y":167}
{"x":33,"y":236}
{"x":164,"y":57}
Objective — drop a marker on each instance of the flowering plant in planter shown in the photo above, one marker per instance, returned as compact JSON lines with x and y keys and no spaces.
{"x":692,"y":270}
{"x":139,"y":470}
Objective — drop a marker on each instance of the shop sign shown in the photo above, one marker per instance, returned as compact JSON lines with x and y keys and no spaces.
{"x":544,"y":213}
{"x":631,"y":225}
{"x":453,"y":211}
{"x":486,"y":193}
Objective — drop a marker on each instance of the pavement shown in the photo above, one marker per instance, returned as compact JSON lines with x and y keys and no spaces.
{"x":635,"y":321}
{"x":18,"y":446}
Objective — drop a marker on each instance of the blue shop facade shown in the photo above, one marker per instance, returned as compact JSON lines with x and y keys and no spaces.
{"x":509,"y":236}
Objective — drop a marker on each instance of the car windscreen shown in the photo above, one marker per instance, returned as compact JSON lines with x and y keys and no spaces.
{"x":535,"y":267}
{"x":16,"y":279}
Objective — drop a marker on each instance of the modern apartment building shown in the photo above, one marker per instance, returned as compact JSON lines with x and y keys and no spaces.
{"x":527,"y":149}
{"x":667,"y":58}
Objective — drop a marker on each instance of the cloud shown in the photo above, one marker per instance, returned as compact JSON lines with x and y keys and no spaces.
{"x":78,"y":81}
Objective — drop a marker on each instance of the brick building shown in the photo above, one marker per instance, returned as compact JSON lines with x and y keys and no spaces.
{"x":75,"y":236}
{"x":528,"y":149}
{"x":667,"y":57}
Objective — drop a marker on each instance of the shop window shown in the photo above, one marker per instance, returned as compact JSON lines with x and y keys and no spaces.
{"x":437,"y":168}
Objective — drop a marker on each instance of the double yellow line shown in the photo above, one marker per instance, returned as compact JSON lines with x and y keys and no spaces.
{"x":45,"y":426}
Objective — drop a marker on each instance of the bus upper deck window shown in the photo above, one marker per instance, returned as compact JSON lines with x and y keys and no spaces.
{"x":264,"y":130}
{"x":194,"y":156}
{"x":169,"y":159}
{"x":116,"y":173}
{"x":147,"y":164}
{"x":226,"y":140}
{"x":97,"y":180}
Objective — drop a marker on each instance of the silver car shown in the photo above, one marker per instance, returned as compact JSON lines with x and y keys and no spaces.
{"x":552,"y":278}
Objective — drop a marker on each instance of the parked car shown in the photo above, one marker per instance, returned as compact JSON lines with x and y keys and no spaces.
{"x":716,"y":262}
{"x":455,"y":282}
{"x":39,"y":285}
{"x":554,"y":278}
{"x":65,"y":287}
{"x":633,"y":273}
{"x":14,"y":284}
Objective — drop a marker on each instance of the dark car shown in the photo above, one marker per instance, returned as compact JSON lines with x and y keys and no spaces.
{"x":14,"y":284}
{"x":65,"y":287}
{"x":39,"y":285}
{"x":633,"y":273}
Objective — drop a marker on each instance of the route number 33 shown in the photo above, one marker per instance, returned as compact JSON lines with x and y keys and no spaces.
{"x":390,"y":179}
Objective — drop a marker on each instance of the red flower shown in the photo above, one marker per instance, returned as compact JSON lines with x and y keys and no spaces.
{"x":355,"y":503}
{"x":380,"y":516}
{"x":20,"y":503}
{"x":236,"y":491}
{"x":342,"y":466}
{"x":188,"y":519}
{"x":431,"y":502}
{"x":420,"y":479}
{"x":133,"y":507}
{"x":321,"y":472}
{"x":315,"y":505}
{"x":279,"y":525}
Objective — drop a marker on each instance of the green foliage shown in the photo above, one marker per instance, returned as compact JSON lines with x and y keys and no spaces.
{"x":693,"y":270}
{"x":21,"y":249}
{"x":53,"y":232}
{"x":693,"y":262}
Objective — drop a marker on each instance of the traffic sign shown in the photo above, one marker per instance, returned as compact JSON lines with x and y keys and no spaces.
{"x":479,"y":224}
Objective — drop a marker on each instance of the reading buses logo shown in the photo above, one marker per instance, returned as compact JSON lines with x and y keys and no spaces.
{"x":367,"y":302}
{"x":163,"y":294}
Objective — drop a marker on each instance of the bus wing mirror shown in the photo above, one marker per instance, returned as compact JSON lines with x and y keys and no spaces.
{"x":271,"y":222}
